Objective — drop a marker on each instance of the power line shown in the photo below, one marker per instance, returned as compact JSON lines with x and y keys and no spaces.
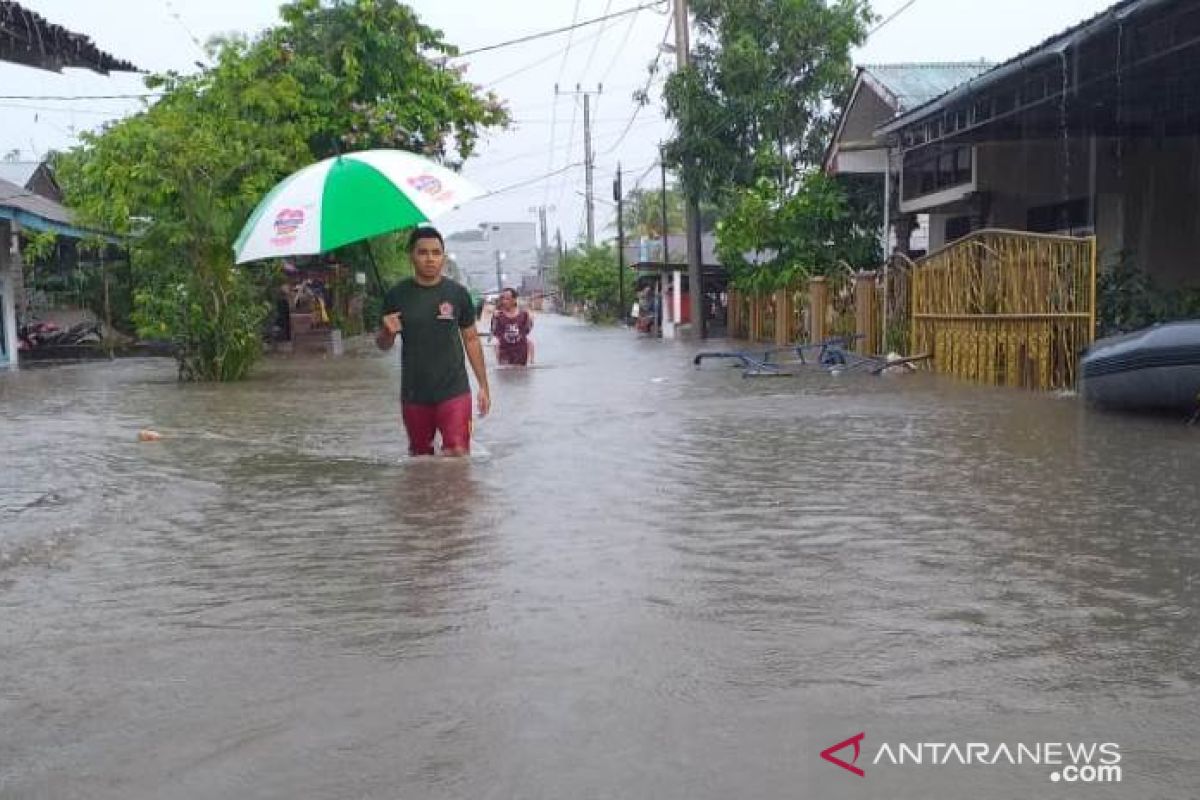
{"x":80,"y":96}
{"x":620,"y":49}
{"x":596,"y":44}
{"x":574,"y":26}
{"x":61,"y":109}
{"x":531,"y":181}
{"x":554,"y":116}
{"x":500,"y":159}
{"x":891,"y":17}
{"x":174,"y":13}
{"x":570,"y":39}
{"x":642,"y":100}
{"x":540,"y":61}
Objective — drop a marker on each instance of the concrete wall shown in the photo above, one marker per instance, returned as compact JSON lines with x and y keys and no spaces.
{"x":1019,"y":176}
{"x":1144,"y":191}
{"x":1161,"y":209}
{"x":9,"y":280}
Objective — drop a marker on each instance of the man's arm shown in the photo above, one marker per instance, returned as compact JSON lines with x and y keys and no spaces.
{"x":474,"y":348}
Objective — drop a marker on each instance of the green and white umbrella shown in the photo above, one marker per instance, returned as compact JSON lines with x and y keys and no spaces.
{"x":349,"y":198}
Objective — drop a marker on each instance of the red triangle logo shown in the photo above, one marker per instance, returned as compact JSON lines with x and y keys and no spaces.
{"x":828,"y":754}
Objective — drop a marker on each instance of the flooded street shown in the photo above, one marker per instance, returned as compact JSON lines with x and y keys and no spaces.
{"x":650,"y":581}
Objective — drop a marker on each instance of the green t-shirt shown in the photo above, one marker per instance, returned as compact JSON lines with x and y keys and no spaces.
{"x":432,"y":366}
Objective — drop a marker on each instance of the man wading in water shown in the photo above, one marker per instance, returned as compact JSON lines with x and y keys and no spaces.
{"x":435,"y":319}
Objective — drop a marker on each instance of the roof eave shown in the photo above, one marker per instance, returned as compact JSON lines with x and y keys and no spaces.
{"x":1044,"y":52}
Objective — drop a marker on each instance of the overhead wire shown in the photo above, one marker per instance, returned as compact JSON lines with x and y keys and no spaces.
{"x":556,"y":31}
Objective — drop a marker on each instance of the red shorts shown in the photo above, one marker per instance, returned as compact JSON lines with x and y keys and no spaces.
{"x":451,"y":417}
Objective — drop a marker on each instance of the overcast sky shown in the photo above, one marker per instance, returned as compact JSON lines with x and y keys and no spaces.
{"x":548,"y":132}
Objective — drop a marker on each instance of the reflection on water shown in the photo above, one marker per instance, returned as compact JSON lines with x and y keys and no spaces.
{"x":650,"y":581}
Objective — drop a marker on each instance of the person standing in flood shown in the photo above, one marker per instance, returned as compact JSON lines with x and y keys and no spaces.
{"x":510,"y":328}
{"x":435,"y":318}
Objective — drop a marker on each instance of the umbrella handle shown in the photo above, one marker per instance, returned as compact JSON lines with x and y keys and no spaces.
{"x":375,"y":269}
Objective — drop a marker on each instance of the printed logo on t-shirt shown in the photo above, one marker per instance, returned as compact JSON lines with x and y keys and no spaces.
{"x":445,"y":311}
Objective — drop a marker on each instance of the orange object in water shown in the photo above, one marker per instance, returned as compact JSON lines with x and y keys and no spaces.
{"x":146,"y":435}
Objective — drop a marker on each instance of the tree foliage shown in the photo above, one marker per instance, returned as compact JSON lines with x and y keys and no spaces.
{"x":758,"y":97}
{"x":643,"y":213}
{"x":182,"y":176}
{"x":589,"y":276}
{"x":768,"y":243}
{"x":754,"y":112}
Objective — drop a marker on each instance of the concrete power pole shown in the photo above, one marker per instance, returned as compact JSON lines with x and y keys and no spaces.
{"x":543,"y":260}
{"x":618,"y":196}
{"x":589,"y":157}
{"x":691,"y":206}
{"x":588,"y":166}
{"x":666,"y":248}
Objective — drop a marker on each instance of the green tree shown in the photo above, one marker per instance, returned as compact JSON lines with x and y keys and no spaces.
{"x":589,"y":276}
{"x":754,"y":112}
{"x":760,"y":93}
{"x":643,"y":213}
{"x":767,"y":242}
{"x":181,"y":177}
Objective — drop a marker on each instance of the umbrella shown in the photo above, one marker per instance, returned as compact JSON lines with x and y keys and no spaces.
{"x":349,"y":198}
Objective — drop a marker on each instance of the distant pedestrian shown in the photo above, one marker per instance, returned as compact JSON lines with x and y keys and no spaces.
{"x":510,"y":329}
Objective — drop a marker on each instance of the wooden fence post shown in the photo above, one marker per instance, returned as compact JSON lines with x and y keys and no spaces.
{"x":783,"y":316}
{"x":818,"y":308}
{"x":866,"y":317}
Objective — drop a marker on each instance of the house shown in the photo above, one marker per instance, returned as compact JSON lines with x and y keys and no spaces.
{"x":1095,"y":130}
{"x":32,"y":176}
{"x":31,"y":200}
{"x":666,"y":276}
{"x":881,"y":93}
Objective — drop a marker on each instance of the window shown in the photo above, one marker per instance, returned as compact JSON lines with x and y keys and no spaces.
{"x":937,"y":168}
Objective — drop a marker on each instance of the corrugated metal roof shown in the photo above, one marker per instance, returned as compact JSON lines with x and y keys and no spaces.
{"x":913,"y":85}
{"x":18,"y":172}
{"x":649,"y":251}
{"x":1068,"y":38}
{"x":28,"y":38}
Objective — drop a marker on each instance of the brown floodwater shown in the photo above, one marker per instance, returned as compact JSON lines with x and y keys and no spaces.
{"x":650,"y":581}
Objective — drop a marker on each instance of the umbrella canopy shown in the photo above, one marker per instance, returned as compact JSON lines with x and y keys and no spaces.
{"x":349,"y":198}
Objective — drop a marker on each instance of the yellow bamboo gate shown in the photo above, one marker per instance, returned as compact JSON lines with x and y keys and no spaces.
{"x":1007,"y":308}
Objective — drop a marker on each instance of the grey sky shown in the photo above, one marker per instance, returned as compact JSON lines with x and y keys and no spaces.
{"x":157,"y":35}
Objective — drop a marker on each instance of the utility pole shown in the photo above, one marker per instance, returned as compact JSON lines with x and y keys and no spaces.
{"x":543,"y":237}
{"x":618,"y":196}
{"x":691,"y":207}
{"x":666,"y":248}
{"x":589,"y":156}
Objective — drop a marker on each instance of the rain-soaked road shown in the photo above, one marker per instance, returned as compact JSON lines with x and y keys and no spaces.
{"x":650,"y":582}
